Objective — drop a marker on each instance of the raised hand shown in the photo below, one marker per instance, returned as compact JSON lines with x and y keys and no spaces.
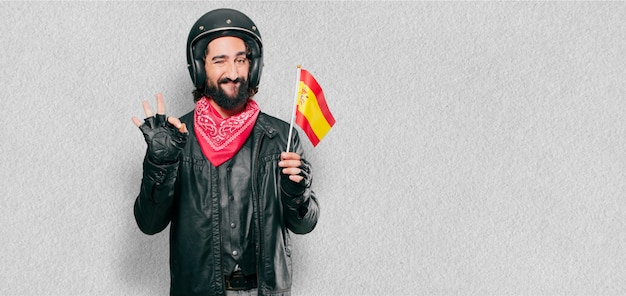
{"x":165,"y":136}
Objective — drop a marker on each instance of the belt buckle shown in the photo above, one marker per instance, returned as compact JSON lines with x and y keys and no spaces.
{"x":238,"y":279}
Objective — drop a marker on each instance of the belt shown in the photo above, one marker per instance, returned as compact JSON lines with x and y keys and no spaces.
{"x":237,"y":281}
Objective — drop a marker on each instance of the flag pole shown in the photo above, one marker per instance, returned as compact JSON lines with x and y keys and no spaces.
{"x":293,"y":110}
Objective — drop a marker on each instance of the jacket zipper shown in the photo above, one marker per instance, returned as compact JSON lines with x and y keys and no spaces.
{"x":256,"y":200}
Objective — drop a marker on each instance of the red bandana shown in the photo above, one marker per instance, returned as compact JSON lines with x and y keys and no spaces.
{"x":221,"y":138}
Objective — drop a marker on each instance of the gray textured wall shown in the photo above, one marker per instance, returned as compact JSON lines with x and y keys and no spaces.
{"x":478,"y":148}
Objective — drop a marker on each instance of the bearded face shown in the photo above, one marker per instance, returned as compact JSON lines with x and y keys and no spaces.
{"x":218,"y":92}
{"x":226,"y":65}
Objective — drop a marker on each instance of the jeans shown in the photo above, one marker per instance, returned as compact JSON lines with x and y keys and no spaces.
{"x":251,"y":292}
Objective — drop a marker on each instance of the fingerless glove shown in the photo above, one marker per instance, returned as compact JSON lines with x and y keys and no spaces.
{"x":164,"y":140}
{"x":294,"y":189}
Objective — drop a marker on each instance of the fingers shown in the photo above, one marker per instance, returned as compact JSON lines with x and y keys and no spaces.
{"x":160,"y":111}
{"x":289,"y":156}
{"x":177,"y":124}
{"x":295,"y":171}
{"x":292,"y":171}
{"x":290,"y":162}
{"x":136,"y":121}
{"x":160,"y":104}
{"x":146,"y":109}
{"x":296,"y":178}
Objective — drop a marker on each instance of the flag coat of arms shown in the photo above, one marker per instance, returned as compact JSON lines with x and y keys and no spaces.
{"x":312,"y":113}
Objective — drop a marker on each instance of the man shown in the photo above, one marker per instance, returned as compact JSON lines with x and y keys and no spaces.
{"x":218,"y":175}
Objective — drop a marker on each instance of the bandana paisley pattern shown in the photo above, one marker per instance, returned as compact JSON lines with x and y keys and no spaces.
{"x":221,"y":138}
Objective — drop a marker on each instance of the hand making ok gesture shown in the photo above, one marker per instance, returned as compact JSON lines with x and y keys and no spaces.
{"x":165,"y":136}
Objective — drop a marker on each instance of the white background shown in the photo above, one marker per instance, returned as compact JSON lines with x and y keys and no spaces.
{"x":478,"y":149}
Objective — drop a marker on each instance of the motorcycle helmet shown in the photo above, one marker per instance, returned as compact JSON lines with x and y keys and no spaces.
{"x":219,"y":23}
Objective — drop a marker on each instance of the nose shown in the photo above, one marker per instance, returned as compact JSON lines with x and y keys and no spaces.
{"x":232,"y":72}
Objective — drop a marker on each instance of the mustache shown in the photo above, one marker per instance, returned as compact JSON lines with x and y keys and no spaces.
{"x":227,"y":80}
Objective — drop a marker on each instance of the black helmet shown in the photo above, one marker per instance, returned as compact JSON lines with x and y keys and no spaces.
{"x":219,"y":23}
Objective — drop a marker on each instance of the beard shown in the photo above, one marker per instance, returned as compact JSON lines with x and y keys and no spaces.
{"x":216,"y":92}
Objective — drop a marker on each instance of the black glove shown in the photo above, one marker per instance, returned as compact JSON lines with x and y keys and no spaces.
{"x":296,"y":189}
{"x":164,"y":140}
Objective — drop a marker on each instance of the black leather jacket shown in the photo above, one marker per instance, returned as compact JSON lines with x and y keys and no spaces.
{"x":182,"y":194}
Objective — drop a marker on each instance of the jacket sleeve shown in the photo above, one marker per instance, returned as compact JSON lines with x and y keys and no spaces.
{"x":300,"y":211}
{"x":153,"y":206}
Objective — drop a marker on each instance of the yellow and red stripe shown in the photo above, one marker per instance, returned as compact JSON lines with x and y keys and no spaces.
{"x":312,"y":113}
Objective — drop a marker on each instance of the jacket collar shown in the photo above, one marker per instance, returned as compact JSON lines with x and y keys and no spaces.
{"x":264,"y":126}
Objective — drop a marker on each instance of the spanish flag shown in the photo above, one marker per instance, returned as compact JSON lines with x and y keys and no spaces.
{"x":312,"y":113}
